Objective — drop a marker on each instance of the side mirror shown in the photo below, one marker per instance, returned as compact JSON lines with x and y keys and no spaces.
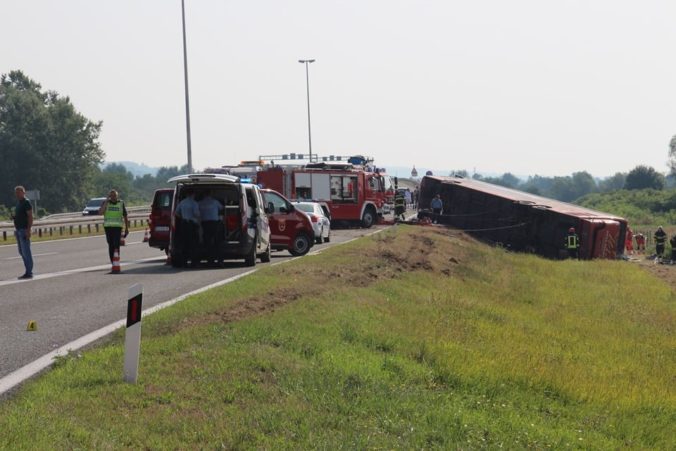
{"x":270,"y":208}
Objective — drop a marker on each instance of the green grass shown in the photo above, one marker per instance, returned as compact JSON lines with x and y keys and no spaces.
{"x":409,"y":339}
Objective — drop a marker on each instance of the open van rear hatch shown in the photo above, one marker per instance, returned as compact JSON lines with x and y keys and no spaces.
{"x":204,"y":178}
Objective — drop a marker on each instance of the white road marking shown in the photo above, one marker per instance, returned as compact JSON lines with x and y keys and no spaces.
{"x":34,"y":255}
{"x":76,"y":271}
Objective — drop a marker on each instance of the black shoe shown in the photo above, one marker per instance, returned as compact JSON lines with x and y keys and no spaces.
{"x":25,"y":276}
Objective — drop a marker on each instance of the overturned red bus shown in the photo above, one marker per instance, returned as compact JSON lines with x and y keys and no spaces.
{"x":522,"y":221}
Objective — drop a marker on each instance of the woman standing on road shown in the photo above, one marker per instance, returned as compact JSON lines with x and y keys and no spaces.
{"x":114,"y":217}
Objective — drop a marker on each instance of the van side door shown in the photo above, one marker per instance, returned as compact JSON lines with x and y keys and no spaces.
{"x":262,"y":218}
{"x":282,"y":223}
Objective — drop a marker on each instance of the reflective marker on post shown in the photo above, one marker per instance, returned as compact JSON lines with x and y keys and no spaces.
{"x":132,"y":338}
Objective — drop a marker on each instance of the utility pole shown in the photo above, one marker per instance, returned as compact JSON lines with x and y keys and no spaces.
{"x":187,"y":96}
{"x":307,"y":82}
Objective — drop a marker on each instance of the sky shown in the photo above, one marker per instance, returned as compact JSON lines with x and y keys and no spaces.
{"x":523,"y":86}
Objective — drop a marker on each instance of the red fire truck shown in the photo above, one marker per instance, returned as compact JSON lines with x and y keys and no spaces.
{"x":351,"y":192}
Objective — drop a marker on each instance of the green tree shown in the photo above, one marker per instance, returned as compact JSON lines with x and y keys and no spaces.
{"x":45,"y":144}
{"x":165,"y":173}
{"x":562,"y":189}
{"x":642,"y":177}
{"x":539,"y":185}
{"x":583,"y":183}
{"x":114,"y":176}
{"x":613,"y":183}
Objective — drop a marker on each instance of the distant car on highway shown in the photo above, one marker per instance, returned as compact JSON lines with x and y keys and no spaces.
{"x":93,"y":205}
{"x":319,"y":216}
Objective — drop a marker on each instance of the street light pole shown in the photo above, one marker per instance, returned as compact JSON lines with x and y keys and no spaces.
{"x":307,"y":80}
{"x":187,"y":96}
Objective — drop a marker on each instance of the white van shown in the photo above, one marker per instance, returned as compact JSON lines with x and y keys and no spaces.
{"x":243,"y":230}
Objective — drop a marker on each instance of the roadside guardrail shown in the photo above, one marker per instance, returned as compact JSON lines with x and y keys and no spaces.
{"x":60,"y":225}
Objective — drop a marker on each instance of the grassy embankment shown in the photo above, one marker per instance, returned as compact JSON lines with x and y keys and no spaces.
{"x":412,"y":338}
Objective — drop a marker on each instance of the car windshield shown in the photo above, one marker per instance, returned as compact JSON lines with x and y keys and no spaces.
{"x":306,"y":208}
{"x":95,"y":202}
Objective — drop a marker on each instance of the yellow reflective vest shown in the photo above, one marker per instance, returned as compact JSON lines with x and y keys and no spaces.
{"x":114,"y":215}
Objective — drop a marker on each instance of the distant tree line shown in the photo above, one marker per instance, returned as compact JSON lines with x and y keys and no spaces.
{"x":572,"y":187}
{"x":133,"y":189}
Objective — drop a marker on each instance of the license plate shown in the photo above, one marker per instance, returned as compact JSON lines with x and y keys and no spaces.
{"x":161,"y":229}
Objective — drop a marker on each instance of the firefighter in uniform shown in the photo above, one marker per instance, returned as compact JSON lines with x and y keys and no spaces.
{"x":672,"y":241}
{"x":573,"y":244}
{"x":114,"y":218}
{"x":399,"y":205}
{"x":660,"y":241}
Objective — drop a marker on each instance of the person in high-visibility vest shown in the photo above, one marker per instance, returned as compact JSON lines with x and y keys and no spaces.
{"x":573,"y":243}
{"x":399,"y":205}
{"x":660,"y":241}
{"x":114,"y":218}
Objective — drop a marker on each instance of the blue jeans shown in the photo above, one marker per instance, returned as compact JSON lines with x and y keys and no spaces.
{"x":24,"y":244}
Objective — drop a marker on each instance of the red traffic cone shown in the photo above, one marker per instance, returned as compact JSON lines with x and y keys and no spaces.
{"x":146,"y":236}
{"x":116,"y":262}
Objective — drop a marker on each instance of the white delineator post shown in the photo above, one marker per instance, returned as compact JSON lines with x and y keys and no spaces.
{"x":132,"y":338}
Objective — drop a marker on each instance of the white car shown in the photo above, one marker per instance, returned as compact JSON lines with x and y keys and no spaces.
{"x":320,"y":217}
{"x":93,"y":205}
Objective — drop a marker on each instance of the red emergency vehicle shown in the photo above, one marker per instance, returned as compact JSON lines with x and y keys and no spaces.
{"x":351,"y":192}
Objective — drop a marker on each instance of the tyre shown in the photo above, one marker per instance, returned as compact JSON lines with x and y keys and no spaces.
{"x":250,"y":259}
{"x":301,"y":245}
{"x":368,"y":219}
{"x":266,"y":256}
{"x":328,"y":237}
{"x":318,"y":240}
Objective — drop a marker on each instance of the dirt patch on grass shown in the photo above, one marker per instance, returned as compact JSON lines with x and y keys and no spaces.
{"x":663,"y":271}
{"x":386,"y":256}
{"x":249,"y":307}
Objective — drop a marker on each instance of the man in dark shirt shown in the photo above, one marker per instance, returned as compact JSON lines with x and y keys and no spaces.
{"x":23,"y":222}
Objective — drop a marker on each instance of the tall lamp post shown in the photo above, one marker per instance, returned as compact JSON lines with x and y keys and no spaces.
{"x":307,"y":80}
{"x":187,"y":97}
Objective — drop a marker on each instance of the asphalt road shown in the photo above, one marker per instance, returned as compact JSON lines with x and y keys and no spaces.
{"x":73,"y":292}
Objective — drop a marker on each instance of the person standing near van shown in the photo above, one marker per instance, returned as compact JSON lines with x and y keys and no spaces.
{"x":660,"y":241}
{"x":114,"y":218}
{"x":188,"y":213}
{"x":210,"y":209}
{"x":23,"y":222}
{"x":437,"y":206}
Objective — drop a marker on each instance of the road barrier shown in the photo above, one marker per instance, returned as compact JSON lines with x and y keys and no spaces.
{"x":61,"y":226}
